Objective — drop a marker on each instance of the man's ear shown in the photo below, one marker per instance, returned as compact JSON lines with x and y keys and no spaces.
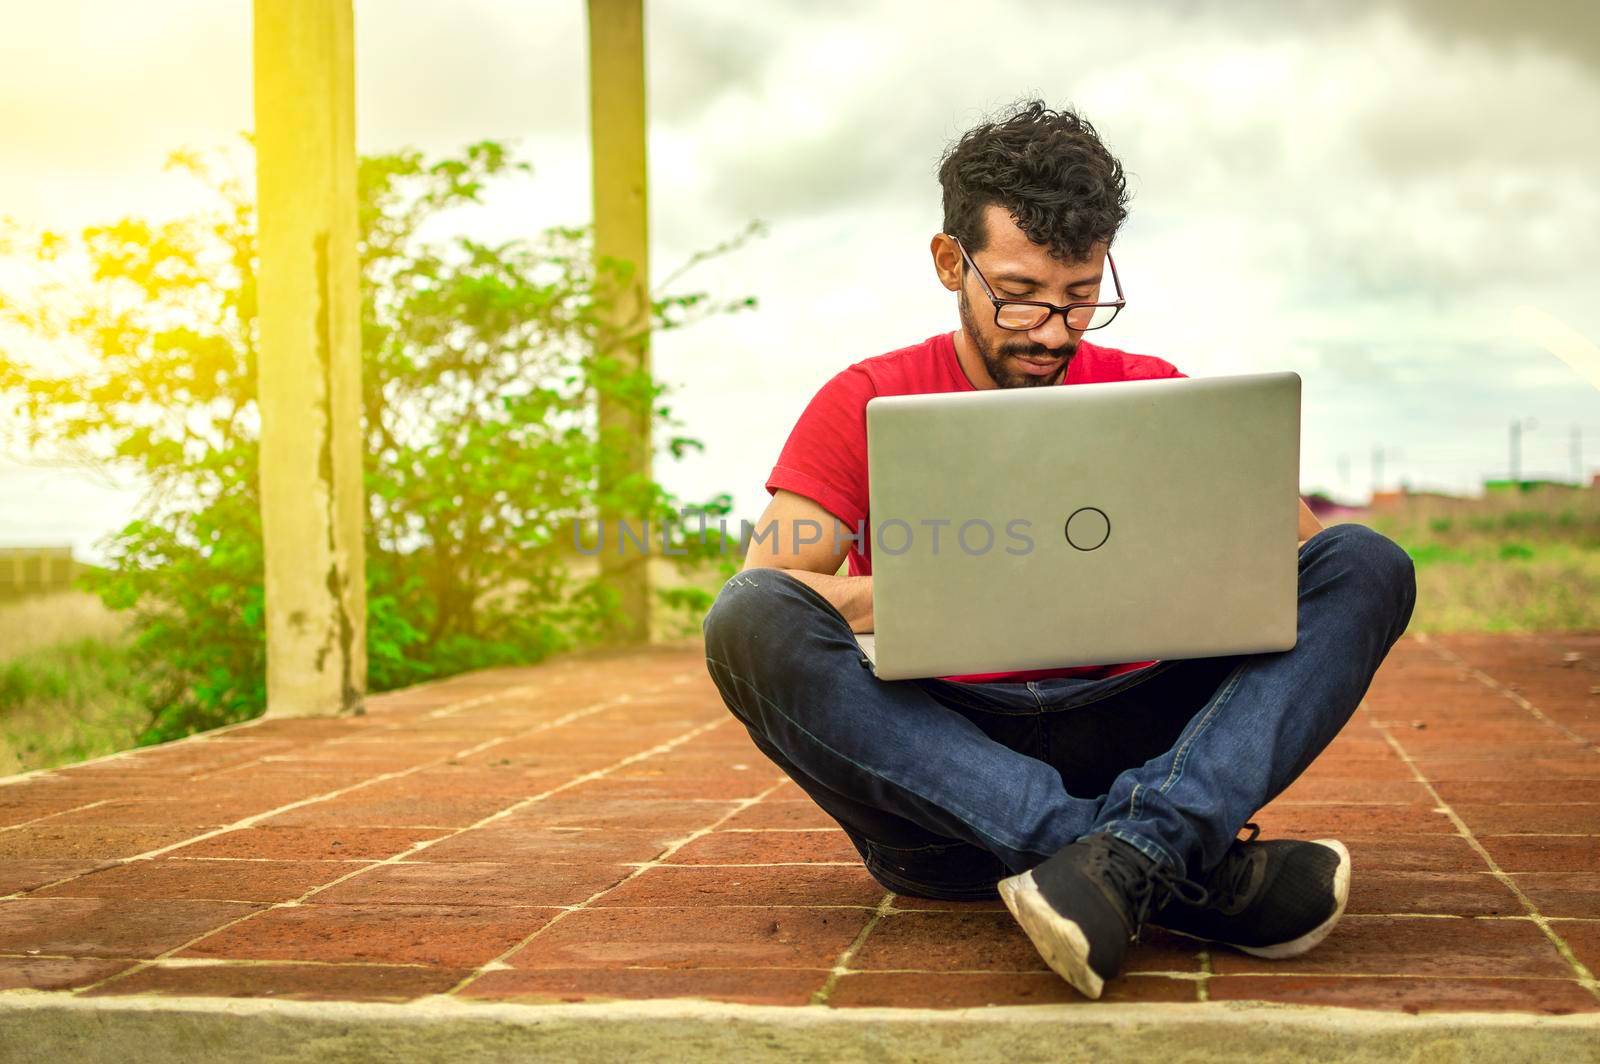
{"x":946,"y":261}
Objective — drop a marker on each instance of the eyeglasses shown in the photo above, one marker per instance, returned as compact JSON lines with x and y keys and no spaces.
{"x":1020,"y":315}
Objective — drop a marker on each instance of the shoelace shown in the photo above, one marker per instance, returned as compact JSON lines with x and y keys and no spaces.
{"x":1146,"y":886}
{"x":1235,"y":879}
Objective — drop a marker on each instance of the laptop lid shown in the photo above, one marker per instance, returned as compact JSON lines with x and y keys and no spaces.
{"x":1085,"y":524}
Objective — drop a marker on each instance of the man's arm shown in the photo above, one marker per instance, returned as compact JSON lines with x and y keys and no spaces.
{"x":790,"y":517}
{"x":1309,"y":525}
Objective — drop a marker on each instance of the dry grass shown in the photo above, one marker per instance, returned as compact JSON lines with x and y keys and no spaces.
{"x":1504,"y":563}
{"x":38,"y":621}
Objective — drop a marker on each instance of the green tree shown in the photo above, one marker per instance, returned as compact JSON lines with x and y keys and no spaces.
{"x":480,"y":393}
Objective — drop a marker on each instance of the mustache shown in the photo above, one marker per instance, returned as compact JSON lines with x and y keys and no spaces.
{"x":1037,"y":351}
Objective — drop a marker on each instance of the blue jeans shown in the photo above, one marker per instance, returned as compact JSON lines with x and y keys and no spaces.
{"x":947,"y":787}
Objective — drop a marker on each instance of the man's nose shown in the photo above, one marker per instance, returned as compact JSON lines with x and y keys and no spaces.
{"x":1051,"y":333}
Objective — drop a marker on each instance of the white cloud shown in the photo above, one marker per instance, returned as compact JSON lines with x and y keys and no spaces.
{"x":1361,"y":195}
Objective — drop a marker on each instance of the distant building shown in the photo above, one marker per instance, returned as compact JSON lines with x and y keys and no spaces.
{"x":24,"y":570}
{"x":1382,"y":499}
{"x":1405,"y":496}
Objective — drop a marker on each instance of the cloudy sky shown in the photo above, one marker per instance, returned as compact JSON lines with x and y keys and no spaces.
{"x":1398,"y":201}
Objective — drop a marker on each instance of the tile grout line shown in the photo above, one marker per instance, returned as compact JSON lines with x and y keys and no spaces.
{"x":581,"y":778}
{"x":450,"y":709}
{"x":1584,"y":977}
{"x":196,"y":739}
{"x":1501,"y":689}
{"x":339,"y":792}
{"x":498,"y":963}
{"x":445,"y":710}
{"x":1202,"y":986}
{"x":841,"y":967}
{"x":201,"y":737}
{"x":220,"y":962}
{"x":58,"y":812}
{"x":566,"y":718}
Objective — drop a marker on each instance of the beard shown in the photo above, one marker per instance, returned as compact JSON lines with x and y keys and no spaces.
{"x":994,"y":355}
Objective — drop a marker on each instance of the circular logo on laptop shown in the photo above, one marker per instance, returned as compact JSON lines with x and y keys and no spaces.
{"x":1088,"y":528}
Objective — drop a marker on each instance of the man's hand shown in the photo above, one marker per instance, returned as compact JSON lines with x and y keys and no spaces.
{"x":792,"y":517}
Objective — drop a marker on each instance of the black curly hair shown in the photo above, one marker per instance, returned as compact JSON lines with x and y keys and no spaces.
{"x":1047,"y":168}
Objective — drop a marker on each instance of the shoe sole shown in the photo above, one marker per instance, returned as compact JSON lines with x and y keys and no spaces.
{"x":1309,"y":941}
{"x":1061,"y":942}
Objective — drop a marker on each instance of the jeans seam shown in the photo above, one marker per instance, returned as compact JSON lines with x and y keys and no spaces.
{"x":1181,"y":756}
{"x":961,"y":814}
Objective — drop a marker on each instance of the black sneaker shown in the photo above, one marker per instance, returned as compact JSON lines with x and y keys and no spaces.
{"x":1082,"y":906}
{"x":1271,"y":899}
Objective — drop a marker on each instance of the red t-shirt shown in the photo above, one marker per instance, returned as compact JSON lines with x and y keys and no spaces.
{"x":825,"y":458}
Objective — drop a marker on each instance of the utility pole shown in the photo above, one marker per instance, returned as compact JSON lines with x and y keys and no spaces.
{"x":1380,"y":456}
{"x":1517,"y":427}
{"x":622,"y":278}
{"x":1514,"y":463}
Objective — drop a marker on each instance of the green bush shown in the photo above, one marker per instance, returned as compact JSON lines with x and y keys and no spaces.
{"x":480,"y":398}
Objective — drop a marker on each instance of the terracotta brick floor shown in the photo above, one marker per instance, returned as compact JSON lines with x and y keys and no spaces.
{"x":601,"y":828}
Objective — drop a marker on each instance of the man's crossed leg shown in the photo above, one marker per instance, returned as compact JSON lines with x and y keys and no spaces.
{"x":1090,"y":804}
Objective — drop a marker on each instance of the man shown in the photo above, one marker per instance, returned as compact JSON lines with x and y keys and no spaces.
{"x":1093,"y":799}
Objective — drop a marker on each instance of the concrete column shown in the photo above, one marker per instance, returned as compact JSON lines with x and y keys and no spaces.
{"x":312,"y":503}
{"x":621,"y":223}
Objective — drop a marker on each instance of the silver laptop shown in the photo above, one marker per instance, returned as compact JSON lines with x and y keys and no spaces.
{"x":1083,"y":525}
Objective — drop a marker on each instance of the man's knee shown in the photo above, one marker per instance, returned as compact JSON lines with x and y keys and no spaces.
{"x":1377,"y":561}
{"x":758,"y":608}
{"x":761,"y":639}
{"x":739,"y":609}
